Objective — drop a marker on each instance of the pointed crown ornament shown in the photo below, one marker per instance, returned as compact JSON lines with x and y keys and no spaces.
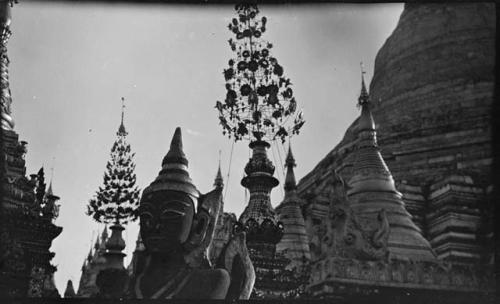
{"x":174,"y":175}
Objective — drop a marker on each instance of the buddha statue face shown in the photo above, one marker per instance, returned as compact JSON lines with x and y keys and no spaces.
{"x":166,"y":218}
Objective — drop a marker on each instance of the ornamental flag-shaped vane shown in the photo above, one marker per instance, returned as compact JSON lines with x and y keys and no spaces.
{"x":259,"y":103}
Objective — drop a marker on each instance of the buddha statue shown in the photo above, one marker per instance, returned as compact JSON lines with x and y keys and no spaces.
{"x":177,"y":234}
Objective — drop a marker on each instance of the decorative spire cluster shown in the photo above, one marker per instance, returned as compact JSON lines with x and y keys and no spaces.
{"x":259,"y":103}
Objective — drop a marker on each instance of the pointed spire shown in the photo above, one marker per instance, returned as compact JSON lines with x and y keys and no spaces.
{"x":97,"y":244}
{"x":121,"y":129}
{"x":365,"y":121}
{"x":364,"y":98}
{"x":104,"y":235}
{"x":294,"y":242}
{"x":290,"y":181}
{"x":49,"y":190}
{"x":89,"y":256}
{"x":372,"y":191}
{"x":219,"y":181}
{"x":70,"y":290}
{"x":174,"y":174}
{"x":369,"y":161}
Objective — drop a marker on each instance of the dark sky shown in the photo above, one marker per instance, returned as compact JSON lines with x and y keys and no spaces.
{"x":71,"y":64}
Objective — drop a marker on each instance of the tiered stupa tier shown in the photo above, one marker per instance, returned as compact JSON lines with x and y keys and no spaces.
{"x":262,"y":224}
{"x":259,"y":181}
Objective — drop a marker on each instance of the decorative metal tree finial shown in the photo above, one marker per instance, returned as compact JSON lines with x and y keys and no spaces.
{"x":121,"y":129}
{"x":117,"y":199}
{"x":259,"y":103}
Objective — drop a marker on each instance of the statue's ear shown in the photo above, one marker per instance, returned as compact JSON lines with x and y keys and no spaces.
{"x":205,"y":218}
{"x":199,"y":227}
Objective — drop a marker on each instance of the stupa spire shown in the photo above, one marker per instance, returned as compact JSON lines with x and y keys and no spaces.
{"x":219,"y":181}
{"x":294,"y":242}
{"x":97,"y":244}
{"x":49,"y":189}
{"x":368,"y":154}
{"x":104,"y":235}
{"x":364,"y":98}
{"x":290,"y":181}
{"x":70,"y":290}
{"x":121,"y":129}
{"x":372,"y":191}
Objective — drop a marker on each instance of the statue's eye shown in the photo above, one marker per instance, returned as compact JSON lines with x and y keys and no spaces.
{"x":171,"y":214}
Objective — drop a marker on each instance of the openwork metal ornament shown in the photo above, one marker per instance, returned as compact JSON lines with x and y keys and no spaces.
{"x":259,"y":103}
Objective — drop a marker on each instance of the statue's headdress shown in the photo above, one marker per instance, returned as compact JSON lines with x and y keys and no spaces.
{"x":174,"y":175}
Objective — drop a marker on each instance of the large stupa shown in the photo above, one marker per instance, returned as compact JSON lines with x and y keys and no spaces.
{"x":426,"y":176}
{"x":432,"y":94}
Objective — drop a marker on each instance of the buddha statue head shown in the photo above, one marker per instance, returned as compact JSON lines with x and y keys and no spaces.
{"x":167,"y":207}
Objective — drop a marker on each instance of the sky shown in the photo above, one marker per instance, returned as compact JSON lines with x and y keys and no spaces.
{"x":72,"y":63}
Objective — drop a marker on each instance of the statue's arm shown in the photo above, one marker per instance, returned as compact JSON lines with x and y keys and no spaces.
{"x":236,"y":260}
